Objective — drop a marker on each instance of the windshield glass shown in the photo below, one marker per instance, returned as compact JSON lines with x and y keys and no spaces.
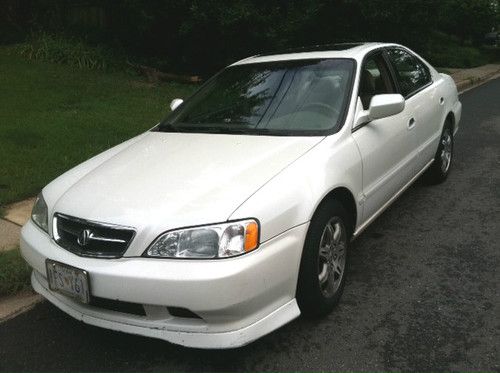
{"x":303,"y":97}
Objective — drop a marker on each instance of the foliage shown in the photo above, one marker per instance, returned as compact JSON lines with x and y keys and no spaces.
{"x":447,"y":51}
{"x":469,"y":20}
{"x":200,"y":36}
{"x":14,"y":272}
{"x":73,"y":52}
{"x":457,"y":56}
{"x":53,"y":117}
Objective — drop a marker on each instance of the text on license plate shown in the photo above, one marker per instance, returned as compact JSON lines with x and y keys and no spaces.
{"x":70,"y":281}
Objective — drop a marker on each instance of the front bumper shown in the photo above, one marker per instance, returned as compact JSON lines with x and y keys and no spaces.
{"x":237,"y":299}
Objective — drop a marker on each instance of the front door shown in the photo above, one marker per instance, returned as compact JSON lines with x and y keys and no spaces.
{"x":388,"y":146}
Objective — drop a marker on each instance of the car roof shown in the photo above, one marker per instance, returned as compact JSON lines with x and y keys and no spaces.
{"x":339,"y":50}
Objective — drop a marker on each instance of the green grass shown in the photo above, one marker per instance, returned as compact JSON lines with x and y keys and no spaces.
{"x":14,"y":273}
{"x":54,"y":116}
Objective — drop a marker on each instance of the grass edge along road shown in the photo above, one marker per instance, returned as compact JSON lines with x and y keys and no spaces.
{"x":14,"y":272}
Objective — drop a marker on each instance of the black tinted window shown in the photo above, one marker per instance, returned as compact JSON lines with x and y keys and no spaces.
{"x":410,"y":72}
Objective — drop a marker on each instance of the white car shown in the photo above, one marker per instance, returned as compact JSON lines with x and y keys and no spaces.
{"x":234,"y":215}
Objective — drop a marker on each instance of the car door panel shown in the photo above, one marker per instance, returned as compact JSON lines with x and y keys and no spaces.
{"x":388,"y":150}
{"x":428,"y":107}
{"x":388,"y":146}
{"x":423,"y":100}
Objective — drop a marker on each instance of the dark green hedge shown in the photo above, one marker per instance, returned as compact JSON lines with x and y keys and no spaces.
{"x":200,"y":36}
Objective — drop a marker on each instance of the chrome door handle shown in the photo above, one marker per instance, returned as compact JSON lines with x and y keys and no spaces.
{"x":411,"y":123}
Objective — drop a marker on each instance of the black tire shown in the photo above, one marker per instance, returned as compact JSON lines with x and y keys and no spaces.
{"x":440,"y":168}
{"x":316,"y":296}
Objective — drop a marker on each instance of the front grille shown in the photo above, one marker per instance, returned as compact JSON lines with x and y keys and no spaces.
{"x":88,"y":238}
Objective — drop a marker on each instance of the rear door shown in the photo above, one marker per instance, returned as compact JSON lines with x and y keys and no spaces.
{"x":423,"y":102}
{"x":388,"y":146}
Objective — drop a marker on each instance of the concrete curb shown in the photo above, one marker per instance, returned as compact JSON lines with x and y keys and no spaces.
{"x":14,"y":305}
{"x":468,"y":78}
{"x":471,"y":83}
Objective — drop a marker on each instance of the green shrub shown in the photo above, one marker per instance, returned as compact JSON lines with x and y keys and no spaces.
{"x":492,"y":53}
{"x":73,"y":52}
{"x":14,"y":272}
{"x":446,"y":51}
{"x":457,"y":56}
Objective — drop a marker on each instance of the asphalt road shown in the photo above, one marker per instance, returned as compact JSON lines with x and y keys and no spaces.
{"x":423,"y":292}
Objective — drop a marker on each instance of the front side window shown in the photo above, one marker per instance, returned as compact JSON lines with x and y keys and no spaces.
{"x":303,"y":97}
{"x":375,"y":79}
{"x":411,"y":74}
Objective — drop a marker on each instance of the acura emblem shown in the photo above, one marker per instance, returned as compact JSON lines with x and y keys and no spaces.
{"x":84,"y":237}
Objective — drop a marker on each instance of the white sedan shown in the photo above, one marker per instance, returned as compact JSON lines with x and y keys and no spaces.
{"x":234,"y":215}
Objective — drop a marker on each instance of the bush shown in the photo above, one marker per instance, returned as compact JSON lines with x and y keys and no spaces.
{"x":457,"y":56}
{"x":14,"y":272}
{"x":73,"y":52}
{"x":446,"y":51}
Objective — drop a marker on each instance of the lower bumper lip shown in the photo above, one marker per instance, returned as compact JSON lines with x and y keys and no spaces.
{"x":195,"y":337}
{"x":228,"y":295}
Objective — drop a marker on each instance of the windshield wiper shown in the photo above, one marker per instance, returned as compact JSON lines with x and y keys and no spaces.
{"x":168,"y":127}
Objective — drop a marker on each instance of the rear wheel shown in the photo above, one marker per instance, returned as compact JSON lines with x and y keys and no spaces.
{"x":324,"y":260}
{"x":440,"y":168}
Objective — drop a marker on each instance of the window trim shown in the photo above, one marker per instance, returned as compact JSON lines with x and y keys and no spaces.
{"x":394,"y":71}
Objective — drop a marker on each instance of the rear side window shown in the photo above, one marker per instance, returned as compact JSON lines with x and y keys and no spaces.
{"x":411,"y":73}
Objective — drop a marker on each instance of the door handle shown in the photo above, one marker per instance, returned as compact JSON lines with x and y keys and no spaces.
{"x":441,"y":101}
{"x":411,"y":123}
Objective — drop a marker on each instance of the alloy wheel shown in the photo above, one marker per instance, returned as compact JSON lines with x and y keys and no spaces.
{"x":332,"y":257}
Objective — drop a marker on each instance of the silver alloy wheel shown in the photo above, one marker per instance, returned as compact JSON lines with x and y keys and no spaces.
{"x":446,"y":150}
{"x":332,"y":257}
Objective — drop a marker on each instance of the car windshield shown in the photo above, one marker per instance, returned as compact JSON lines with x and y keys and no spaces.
{"x":302,"y":97}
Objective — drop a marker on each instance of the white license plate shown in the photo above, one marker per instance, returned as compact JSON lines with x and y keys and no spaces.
{"x":68,"y":280}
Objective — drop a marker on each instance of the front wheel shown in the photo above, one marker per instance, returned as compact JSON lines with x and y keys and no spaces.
{"x":324,"y":261}
{"x":440,"y":168}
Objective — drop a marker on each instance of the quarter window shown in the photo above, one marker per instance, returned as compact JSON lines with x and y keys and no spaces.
{"x":411,"y":73}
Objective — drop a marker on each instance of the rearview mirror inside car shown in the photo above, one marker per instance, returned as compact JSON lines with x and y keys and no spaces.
{"x":175,"y":103}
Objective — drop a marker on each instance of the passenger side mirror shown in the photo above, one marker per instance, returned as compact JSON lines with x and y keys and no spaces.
{"x":175,"y":103}
{"x":381,"y":106}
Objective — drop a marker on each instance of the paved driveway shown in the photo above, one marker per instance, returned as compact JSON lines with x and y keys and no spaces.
{"x":423,"y":293}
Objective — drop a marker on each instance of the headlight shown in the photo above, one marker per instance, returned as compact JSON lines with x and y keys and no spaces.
{"x":211,"y":241}
{"x":39,"y":214}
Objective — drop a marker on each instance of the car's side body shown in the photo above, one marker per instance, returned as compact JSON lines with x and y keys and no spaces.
{"x":377,"y":146}
{"x":280,"y":181}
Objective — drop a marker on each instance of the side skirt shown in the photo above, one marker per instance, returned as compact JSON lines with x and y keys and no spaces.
{"x":363,"y":226}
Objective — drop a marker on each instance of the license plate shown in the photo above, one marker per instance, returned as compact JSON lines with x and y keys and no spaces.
{"x":70,"y":281}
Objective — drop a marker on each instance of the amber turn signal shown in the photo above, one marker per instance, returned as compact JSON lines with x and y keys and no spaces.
{"x":251,"y":236}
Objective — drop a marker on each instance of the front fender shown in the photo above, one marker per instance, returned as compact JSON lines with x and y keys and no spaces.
{"x":291,"y":197}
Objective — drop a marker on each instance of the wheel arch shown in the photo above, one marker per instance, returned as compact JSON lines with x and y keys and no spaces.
{"x":450,"y":118}
{"x":346,"y":198}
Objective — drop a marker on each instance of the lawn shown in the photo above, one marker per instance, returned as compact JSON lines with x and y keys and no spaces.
{"x":53,"y":117}
{"x":14,"y":272}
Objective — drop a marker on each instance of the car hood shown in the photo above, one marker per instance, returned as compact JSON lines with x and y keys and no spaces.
{"x":170,"y":180}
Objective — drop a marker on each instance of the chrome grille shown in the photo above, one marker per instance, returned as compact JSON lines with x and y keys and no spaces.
{"x":89,"y":238}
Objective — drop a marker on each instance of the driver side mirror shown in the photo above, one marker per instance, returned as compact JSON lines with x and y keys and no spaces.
{"x":175,"y":103}
{"x":381,"y":106}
